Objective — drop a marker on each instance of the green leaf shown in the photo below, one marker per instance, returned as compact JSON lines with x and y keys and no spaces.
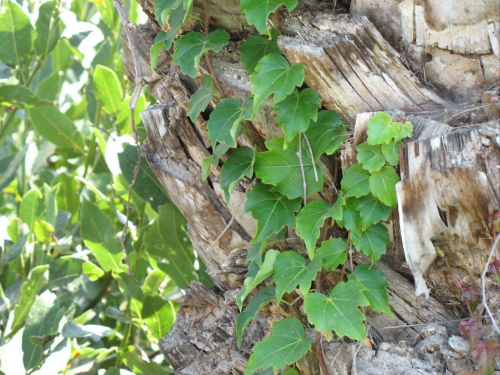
{"x":338,"y":312}
{"x":286,"y":345}
{"x":224,"y":123}
{"x":201,"y":98}
{"x":262,"y":298}
{"x":274,"y":75}
{"x":391,"y":153}
{"x":405,"y":130}
{"x":158,"y":315}
{"x":381,"y":129}
{"x":281,"y":167}
{"x":238,"y":165}
{"x":310,"y":220}
{"x":332,"y":253}
{"x":291,"y":371}
{"x":13,"y":252}
{"x":257,"y":11}
{"x":93,"y":331}
{"x":205,"y":167}
{"x":31,"y":208}
{"x":383,"y":185}
{"x":147,"y":185}
{"x":256,"y":275}
{"x":255,"y":48}
{"x":17,"y":37}
{"x":355,"y":182}
{"x":50,"y":87}
{"x":375,"y":284}
{"x":47,"y":29}
{"x":326,"y":134}
{"x":169,"y":246}
{"x":108,"y":89}
{"x":19,"y":97}
{"x":37,"y":279}
{"x":44,"y":231}
{"x":372,"y":211}
{"x":131,"y":290}
{"x":92,"y":270}
{"x":191,"y":47}
{"x":291,"y":270}
{"x":351,"y":219}
{"x":295,"y":111}
{"x":139,"y":366}
{"x":57,"y":128}
{"x":370,"y":156}
{"x":271,"y":210}
{"x":372,"y":241}
{"x":98,"y":234}
{"x":42,"y":320}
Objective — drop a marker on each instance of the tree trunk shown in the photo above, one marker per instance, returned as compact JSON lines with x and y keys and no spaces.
{"x":449,"y":176}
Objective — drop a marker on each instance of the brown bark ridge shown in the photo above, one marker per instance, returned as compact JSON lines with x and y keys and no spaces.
{"x":354,"y":70}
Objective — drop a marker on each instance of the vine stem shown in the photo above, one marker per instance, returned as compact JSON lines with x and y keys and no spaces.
{"x":312,"y":157}
{"x":299,"y":155}
{"x":206,"y":27}
{"x":483,"y":285}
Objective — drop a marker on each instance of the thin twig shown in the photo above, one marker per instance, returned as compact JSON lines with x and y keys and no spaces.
{"x":354,"y":370}
{"x":483,"y":285}
{"x":299,"y":155}
{"x":319,"y":349}
{"x":312,"y":157}
{"x":129,"y":26}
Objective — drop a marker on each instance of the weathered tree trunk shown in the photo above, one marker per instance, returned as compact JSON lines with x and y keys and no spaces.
{"x":449,"y":184}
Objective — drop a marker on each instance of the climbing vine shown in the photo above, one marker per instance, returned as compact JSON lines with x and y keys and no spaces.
{"x":288,"y":173}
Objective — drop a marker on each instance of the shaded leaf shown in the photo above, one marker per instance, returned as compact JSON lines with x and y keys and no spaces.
{"x":372,"y":211}
{"x":391,"y":153}
{"x":257,"y":11}
{"x":13,"y":252}
{"x":375,"y":284}
{"x":383,"y":185}
{"x":355,"y":182}
{"x":326,"y":134}
{"x":372,"y":241}
{"x":238,"y":165}
{"x":255,"y":48}
{"x":93,"y":331}
{"x":18,"y":96}
{"x":332,"y":253}
{"x":47,"y":29}
{"x":131,"y":290}
{"x":201,"y":98}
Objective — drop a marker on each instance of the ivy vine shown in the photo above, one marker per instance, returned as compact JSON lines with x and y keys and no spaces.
{"x":287,"y":173}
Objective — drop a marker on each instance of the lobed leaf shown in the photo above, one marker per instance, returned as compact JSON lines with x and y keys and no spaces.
{"x":238,"y":165}
{"x":255,"y":48}
{"x":375,"y":284}
{"x":201,"y":98}
{"x":326,"y":133}
{"x":355,"y":182}
{"x":383,"y":185}
{"x":257,"y":11}
{"x":332,"y":253}
{"x":381,"y":129}
{"x":372,"y":211}
{"x":372,"y":241}
{"x":370,"y":157}
{"x":224,"y":123}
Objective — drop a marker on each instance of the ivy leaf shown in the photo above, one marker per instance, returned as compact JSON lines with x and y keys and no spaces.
{"x":291,"y":270}
{"x":201,"y":98}
{"x":190,"y":48}
{"x":262,"y":298}
{"x":375,"y":284}
{"x":372,"y":241}
{"x":257,"y":274}
{"x":370,"y":156}
{"x":238,"y":165}
{"x":381,"y":129}
{"x":281,"y":168}
{"x":312,"y":217}
{"x":383,"y":185}
{"x":405,"y":130}
{"x":351,"y":219}
{"x":355,"y":182}
{"x":257,"y":11}
{"x":274,"y":75}
{"x":295,"y":111}
{"x":391,"y":153}
{"x":338,"y":312}
{"x":372,"y":211}
{"x":286,"y":345}
{"x":332,"y":253}
{"x":224,"y":123}
{"x":271,"y":210}
{"x":326,"y":133}
{"x":255,"y":48}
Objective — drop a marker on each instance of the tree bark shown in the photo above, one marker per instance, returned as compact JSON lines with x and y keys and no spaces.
{"x":355,"y":70}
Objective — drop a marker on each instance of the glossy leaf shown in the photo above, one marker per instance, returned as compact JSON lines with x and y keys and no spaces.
{"x":274,"y":75}
{"x":257,"y":11}
{"x":355,"y":182}
{"x":201,"y":98}
{"x":291,"y":270}
{"x":57,"y":128}
{"x":189,"y":49}
{"x":376,"y":286}
{"x":295,"y":111}
{"x":18,"y":96}
{"x":370,"y":156}
{"x":286,"y":345}
{"x":262,"y":298}
{"x":372,"y":241}
{"x":383,"y":185}
{"x":281,"y":168}
{"x":338,"y":312}
{"x":47,"y":28}
{"x":332,"y":253}
{"x":108,"y":89}
{"x":238,"y":165}
{"x":255,"y":48}
{"x":381,"y":129}
{"x":372,"y":211}
{"x":271,"y":210}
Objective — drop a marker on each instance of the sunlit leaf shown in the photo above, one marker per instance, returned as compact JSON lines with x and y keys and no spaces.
{"x":108,"y":89}
{"x":383,"y":185}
